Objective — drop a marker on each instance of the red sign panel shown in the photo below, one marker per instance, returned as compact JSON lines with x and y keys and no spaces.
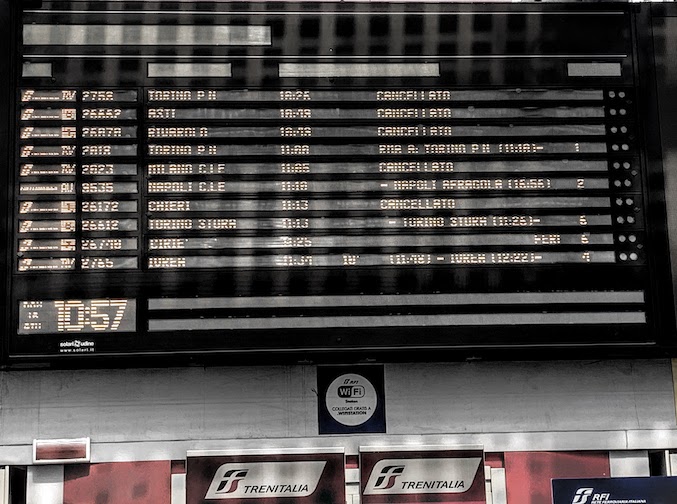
{"x":528,"y":474}
{"x":290,"y":477}
{"x":60,"y":450}
{"x":427,"y":474}
{"x":146,"y":482}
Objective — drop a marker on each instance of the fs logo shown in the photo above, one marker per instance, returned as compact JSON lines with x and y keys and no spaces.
{"x":349,"y":391}
{"x":229,"y":481}
{"x":582,"y":494}
{"x":386,"y":479}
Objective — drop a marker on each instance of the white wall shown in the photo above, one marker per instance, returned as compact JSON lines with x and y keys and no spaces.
{"x":44,"y":485}
{"x":159,"y":413}
{"x":629,"y":463}
{"x":4,"y":485}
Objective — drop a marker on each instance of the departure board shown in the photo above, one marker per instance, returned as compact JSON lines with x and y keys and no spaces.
{"x":203,"y":177}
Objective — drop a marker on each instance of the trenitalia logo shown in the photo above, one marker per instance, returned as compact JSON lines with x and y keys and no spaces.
{"x":422,"y":476}
{"x":387,"y":478}
{"x":259,"y":480}
{"x":228,"y":482}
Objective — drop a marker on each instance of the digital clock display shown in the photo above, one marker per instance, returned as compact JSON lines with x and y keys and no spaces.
{"x":77,"y":316}
{"x":356,"y":177}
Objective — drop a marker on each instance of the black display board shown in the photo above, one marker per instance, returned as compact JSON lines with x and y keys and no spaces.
{"x":194,"y":178}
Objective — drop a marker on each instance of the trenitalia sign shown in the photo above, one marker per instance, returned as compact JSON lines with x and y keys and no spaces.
{"x":422,"y":474}
{"x":289,"y":477}
{"x":258,"y":480}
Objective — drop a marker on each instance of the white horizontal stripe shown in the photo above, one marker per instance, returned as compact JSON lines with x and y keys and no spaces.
{"x":145,"y":35}
{"x":359,"y":69}
{"x":394,"y":300}
{"x":320,"y":13}
{"x":189,"y":70}
{"x":264,"y":451}
{"x":36,"y":70}
{"x":499,"y":319}
{"x":381,"y":58}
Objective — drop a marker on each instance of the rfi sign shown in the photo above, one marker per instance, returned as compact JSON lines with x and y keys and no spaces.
{"x":653,"y":490}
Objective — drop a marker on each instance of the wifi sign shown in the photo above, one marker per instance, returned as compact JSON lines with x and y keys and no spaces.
{"x":351,"y":399}
{"x":349,"y":391}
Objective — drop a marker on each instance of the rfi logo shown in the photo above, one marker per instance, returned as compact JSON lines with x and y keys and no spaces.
{"x":582,"y":494}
